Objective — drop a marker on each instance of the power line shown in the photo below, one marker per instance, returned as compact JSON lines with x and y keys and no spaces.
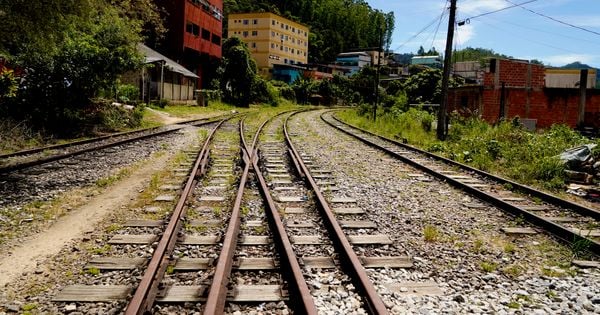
{"x":516,"y":34}
{"x":553,"y":19}
{"x":444,"y":12}
{"x":546,"y":32}
{"x":438,"y":26}
{"x":496,"y":11}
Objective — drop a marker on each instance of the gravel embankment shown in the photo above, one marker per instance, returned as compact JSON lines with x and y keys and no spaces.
{"x":477,"y":268}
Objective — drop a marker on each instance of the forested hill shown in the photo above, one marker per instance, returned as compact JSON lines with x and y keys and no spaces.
{"x":335,"y":25}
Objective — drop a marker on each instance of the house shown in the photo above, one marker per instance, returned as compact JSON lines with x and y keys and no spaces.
{"x":429,"y":61}
{"x":353,"y":61}
{"x":271,"y":39}
{"x":165,"y":79}
{"x":194,"y":35}
{"x":540,"y":97}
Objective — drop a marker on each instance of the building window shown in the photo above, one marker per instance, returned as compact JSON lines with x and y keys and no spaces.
{"x":216,"y":39}
{"x":245,"y":22}
{"x":287,"y":49}
{"x":254,"y":22}
{"x":281,"y":47}
{"x":253,"y":45}
{"x":254,"y":33}
{"x":285,"y":60}
{"x":205,"y":34}
{"x":292,"y":50}
{"x":272,"y":22}
{"x":245,"y":33}
{"x":293,"y":40}
{"x":293,"y":30}
{"x":272,"y":34}
{"x":287,"y":27}
{"x":272,"y":45}
{"x":192,"y":28}
{"x":291,"y":61}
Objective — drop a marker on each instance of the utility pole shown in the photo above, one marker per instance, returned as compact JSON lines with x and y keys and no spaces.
{"x":379,"y":51}
{"x":442,"y":127}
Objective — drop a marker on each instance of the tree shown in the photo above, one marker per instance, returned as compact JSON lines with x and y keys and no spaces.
{"x":421,"y":51}
{"x":69,"y":51}
{"x":239,"y":72}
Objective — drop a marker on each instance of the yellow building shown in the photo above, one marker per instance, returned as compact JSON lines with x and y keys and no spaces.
{"x":271,"y":39}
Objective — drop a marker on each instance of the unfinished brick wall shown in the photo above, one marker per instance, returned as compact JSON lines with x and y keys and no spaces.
{"x":526,"y":97}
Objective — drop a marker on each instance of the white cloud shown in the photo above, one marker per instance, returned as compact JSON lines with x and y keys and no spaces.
{"x":472,"y":7}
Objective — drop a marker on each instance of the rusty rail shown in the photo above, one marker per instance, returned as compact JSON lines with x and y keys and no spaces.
{"x":298,"y":287}
{"x":351,"y":262}
{"x":217,"y":295}
{"x":555,"y":229}
{"x":57,"y":157}
{"x":146,"y":292}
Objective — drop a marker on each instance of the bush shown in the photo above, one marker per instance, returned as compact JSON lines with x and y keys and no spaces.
{"x":116,"y":118}
{"x":127,"y":93}
{"x":264,"y":92}
{"x":287,"y":92}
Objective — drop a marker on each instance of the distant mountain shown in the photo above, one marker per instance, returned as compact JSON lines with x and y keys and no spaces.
{"x":577,"y":65}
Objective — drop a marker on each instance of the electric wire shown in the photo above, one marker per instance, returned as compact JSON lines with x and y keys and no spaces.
{"x":516,"y":34}
{"x":444,"y":12}
{"x":438,"y":26}
{"x":545,"y":32}
{"x":499,"y":10}
{"x":554,"y":19}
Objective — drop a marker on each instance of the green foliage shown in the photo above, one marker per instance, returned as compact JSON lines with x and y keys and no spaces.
{"x":287,"y":92}
{"x":238,"y":72}
{"x":127,"y":93}
{"x":304,"y":88}
{"x":69,"y":51}
{"x":505,"y":148}
{"x":264,"y":92}
{"x":8,"y":84}
{"x":476,"y":54}
{"x":162,"y":103}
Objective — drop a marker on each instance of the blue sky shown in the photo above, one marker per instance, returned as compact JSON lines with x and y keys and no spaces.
{"x":515,"y":32}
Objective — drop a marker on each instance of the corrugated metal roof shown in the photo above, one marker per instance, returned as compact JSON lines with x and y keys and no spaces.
{"x":151,"y":56}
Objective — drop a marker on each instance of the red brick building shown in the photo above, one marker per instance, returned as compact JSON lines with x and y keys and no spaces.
{"x":514,"y":88}
{"x":195,"y":34}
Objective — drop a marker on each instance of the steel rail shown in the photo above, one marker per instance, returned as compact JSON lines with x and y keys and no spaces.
{"x":145,"y":294}
{"x":96,"y":139}
{"x":581,"y":209}
{"x":217,"y":295}
{"x":298,"y":287}
{"x":374,"y":303}
{"x":24,"y":165}
{"x":557,"y":230}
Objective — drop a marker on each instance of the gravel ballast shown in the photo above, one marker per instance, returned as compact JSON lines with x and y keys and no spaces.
{"x":475,"y":266}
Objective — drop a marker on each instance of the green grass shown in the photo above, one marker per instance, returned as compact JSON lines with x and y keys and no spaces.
{"x":430,"y":233}
{"x":189,"y":110}
{"x":504,"y":148}
{"x":488,"y":266}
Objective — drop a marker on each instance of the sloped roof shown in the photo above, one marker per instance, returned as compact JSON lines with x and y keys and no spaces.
{"x":151,"y":56}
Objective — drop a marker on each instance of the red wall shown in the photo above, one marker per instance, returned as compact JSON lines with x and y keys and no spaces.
{"x":196,"y":14}
{"x":525,"y":97}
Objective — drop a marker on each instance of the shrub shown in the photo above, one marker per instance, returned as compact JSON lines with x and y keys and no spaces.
{"x":127,"y":93}
{"x":264,"y":92}
{"x":287,"y":92}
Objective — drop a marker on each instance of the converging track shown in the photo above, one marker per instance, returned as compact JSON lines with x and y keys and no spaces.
{"x":562,"y":218}
{"x":214,"y":253}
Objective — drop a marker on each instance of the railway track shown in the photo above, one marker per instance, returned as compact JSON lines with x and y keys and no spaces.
{"x":22,"y":160}
{"x":282,"y":239}
{"x":573,"y":223}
